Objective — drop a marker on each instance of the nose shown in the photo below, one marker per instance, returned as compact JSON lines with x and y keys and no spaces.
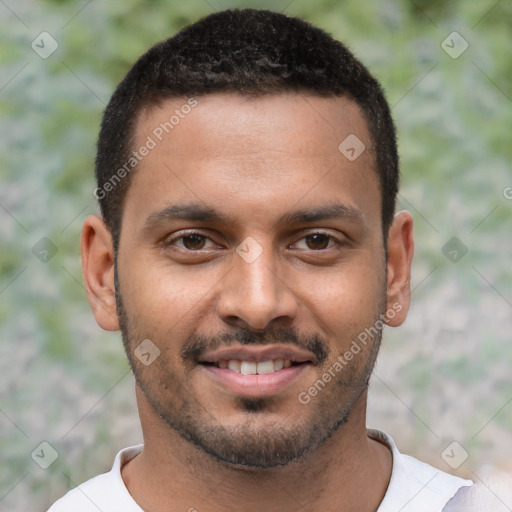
{"x":253,"y":294}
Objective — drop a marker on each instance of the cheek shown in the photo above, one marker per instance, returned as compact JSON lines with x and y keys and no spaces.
{"x":349,"y":305}
{"x":351,"y":294}
{"x":166,"y":303}
{"x":158,"y":288}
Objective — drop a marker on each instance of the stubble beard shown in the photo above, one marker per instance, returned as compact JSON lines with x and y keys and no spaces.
{"x":255,"y":443}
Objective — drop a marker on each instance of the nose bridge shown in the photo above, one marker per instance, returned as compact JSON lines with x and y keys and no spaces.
{"x":258,"y":275}
{"x":254,"y":291}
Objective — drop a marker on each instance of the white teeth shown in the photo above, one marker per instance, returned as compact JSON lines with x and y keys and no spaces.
{"x":253,"y":368}
{"x":234,"y":365}
{"x":278,"y":365}
{"x":248,"y":368}
{"x":265,"y":367}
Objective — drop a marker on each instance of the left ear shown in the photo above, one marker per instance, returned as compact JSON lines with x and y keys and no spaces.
{"x":400,"y":253}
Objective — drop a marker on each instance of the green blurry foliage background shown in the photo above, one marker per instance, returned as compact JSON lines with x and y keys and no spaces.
{"x":443,"y":376}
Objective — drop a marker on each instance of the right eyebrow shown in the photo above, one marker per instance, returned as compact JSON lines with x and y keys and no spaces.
{"x":189,"y":211}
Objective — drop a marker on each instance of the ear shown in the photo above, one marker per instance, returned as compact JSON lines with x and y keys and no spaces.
{"x":400,"y":253}
{"x":98,"y":271}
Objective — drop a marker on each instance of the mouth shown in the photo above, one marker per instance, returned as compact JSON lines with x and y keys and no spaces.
{"x":254,"y":367}
{"x":256,"y":371}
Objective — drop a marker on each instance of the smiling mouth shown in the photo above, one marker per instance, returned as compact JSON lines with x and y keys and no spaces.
{"x":254,"y":372}
{"x":254,"y":368}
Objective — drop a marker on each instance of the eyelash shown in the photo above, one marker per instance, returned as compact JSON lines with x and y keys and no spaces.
{"x":192,"y":233}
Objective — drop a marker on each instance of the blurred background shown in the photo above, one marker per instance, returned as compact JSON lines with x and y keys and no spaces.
{"x":443,"y":383}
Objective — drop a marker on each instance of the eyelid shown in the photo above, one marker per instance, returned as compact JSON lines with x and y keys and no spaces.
{"x":168,"y":241}
{"x":337,"y":240}
{"x":183,"y":234}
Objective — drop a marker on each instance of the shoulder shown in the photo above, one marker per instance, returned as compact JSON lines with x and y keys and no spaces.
{"x":492,"y":494}
{"x":106,"y":492}
{"x":414,"y":485}
{"x":83,"y":498}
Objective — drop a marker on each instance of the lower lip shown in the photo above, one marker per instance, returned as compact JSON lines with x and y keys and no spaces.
{"x":253,"y":386}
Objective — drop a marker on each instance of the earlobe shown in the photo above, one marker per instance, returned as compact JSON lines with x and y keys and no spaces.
{"x":400,"y":253}
{"x":98,"y":271}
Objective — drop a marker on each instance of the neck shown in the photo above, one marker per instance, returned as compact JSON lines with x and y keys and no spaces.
{"x":348,"y":472}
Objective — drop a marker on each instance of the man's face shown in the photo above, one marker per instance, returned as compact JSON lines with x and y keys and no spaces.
{"x":253,"y":283}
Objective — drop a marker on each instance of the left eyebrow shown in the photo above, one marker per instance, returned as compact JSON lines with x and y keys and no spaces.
{"x":335,"y":211}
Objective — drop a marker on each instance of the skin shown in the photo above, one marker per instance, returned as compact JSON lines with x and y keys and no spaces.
{"x":253,"y":160}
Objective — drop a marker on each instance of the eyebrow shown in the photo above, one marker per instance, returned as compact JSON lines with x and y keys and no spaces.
{"x":198,"y":213}
{"x":335,"y":211}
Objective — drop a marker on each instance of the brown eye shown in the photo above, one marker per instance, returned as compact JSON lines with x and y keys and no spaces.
{"x":193,"y":242}
{"x":317,"y":241}
{"x":189,"y":242}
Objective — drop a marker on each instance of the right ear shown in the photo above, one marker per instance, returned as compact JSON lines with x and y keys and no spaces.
{"x":98,"y":271}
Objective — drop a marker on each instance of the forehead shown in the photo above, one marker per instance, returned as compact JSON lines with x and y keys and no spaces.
{"x":261,"y":152}
{"x":232,"y":118}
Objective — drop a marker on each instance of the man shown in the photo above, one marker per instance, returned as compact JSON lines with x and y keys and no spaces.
{"x":250,"y":254}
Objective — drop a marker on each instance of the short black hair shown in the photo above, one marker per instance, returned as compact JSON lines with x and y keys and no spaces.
{"x":247,"y":51}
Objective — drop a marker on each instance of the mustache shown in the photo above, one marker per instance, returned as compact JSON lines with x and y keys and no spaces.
{"x":197,"y":345}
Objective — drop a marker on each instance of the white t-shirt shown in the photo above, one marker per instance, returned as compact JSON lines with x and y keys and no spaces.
{"x":414,"y":487}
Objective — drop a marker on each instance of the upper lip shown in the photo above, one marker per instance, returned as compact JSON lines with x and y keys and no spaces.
{"x":257,"y":354}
